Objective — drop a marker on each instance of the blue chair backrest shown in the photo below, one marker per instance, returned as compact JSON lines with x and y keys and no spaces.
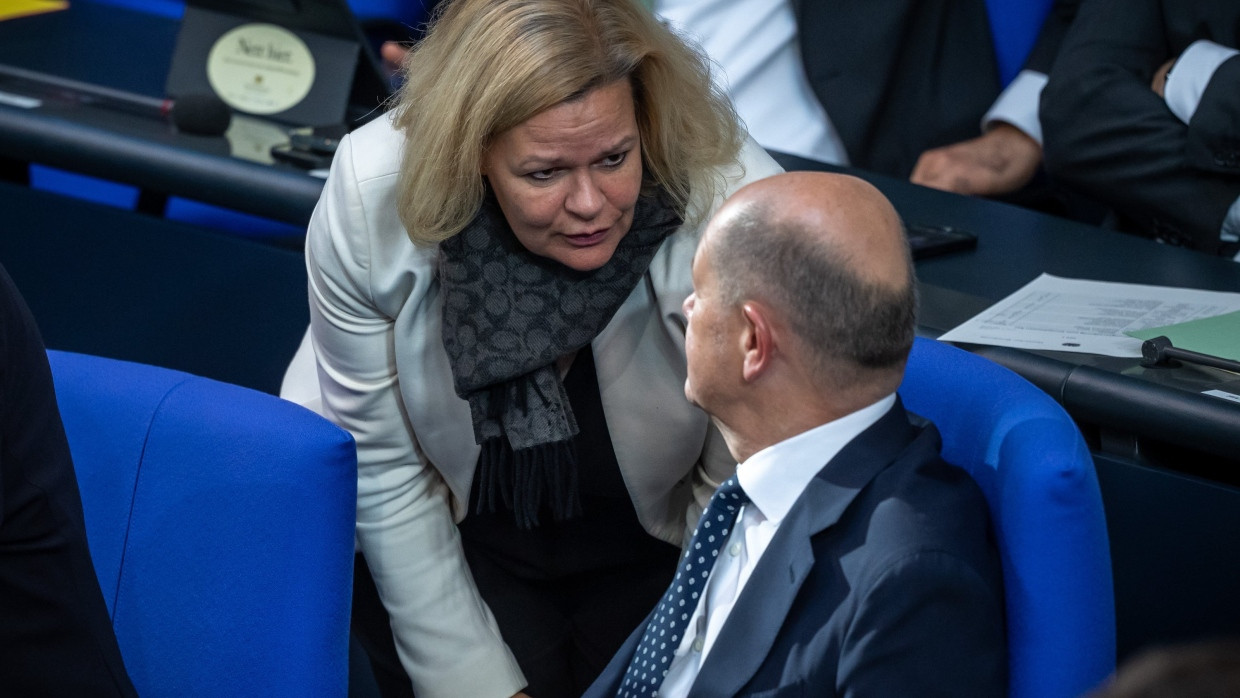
{"x":1014,"y":28}
{"x":220,"y":522}
{"x":1039,"y":480}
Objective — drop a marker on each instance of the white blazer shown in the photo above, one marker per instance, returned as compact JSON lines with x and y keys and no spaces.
{"x":382,"y":373}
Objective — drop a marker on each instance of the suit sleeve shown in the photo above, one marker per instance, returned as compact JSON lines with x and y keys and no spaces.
{"x":1051,"y":36}
{"x":1214,"y":131}
{"x":930,"y":626}
{"x":1109,"y":135}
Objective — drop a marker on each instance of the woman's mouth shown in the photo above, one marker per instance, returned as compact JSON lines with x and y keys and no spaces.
{"x":587,"y":239}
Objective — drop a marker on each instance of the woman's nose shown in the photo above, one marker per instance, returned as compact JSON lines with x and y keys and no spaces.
{"x":586,"y":198}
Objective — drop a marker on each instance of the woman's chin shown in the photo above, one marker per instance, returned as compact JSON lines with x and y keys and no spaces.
{"x":585,"y":258}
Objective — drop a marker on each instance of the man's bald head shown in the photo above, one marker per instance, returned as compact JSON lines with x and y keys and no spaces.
{"x":828,"y":252}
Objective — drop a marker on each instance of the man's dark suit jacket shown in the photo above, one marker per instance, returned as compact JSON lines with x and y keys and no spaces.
{"x":1108,"y":134}
{"x":883,"y":580}
{"x":899,"y":77}
{"x":55,"y":635}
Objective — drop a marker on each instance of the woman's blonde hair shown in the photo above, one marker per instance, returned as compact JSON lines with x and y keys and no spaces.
{"x":486,"y":66}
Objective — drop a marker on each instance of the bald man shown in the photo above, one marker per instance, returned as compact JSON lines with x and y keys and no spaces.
{"x":860,"y":563}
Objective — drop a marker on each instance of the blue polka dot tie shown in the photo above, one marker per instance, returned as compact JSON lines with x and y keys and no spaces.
{"x":666,"y":628}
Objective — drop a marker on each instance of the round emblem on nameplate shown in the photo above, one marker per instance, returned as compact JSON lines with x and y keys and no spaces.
{"x":260,"y":68}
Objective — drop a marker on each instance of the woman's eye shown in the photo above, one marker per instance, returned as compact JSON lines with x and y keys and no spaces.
{"x":541,"y":175}
{"x":614,"y":160}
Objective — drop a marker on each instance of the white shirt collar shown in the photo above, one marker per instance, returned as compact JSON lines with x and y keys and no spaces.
{"x":775,"y":476}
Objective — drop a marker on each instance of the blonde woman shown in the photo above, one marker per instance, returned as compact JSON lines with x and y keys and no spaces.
{"x":496,"y":275}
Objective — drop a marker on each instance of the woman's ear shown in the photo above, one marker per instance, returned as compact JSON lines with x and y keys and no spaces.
{"x":482,"y":162}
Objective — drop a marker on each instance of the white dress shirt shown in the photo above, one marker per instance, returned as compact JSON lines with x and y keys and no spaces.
{"x":1018,"y":104}
{"x":774,"y":479}
{"x":1191,"y":74}
{"x":754,"y":45}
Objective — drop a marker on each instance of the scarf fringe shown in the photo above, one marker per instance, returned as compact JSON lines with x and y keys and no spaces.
{"x":518,"y":479}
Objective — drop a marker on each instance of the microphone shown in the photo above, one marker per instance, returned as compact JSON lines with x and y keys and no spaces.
{"x":198,"y":114}
{"x":1158,"y":351}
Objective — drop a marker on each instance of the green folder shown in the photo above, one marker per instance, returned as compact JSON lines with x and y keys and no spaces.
{"x":1217,"y":336}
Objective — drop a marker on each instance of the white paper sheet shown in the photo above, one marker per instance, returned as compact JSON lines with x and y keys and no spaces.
{"x":1057,"y":314}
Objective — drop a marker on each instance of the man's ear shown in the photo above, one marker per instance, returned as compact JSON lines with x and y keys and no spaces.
{"x":757,"y":340}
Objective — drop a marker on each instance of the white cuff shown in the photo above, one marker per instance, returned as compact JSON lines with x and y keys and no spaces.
{"x":1018,"y":105}
{"x":1190,"y":75}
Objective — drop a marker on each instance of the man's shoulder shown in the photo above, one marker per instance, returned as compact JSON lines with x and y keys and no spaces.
{"x":920,"y":502}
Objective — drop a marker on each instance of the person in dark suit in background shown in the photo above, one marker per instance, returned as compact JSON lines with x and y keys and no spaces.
{"x":55,"y":634}
{"x":1142,"y":112}
{"x":862,"y":564}
{"x":906,"y":88}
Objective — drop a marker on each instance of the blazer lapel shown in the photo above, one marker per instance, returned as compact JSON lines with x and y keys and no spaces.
{"x":764,"y":603}
{"x":657,"y":435}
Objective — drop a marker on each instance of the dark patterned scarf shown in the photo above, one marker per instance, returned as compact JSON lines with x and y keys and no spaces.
{"x":508,"y":314}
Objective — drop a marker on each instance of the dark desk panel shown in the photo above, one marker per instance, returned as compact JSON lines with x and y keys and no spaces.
{"x":94,"y":43}
{"x":128,"y":50}
{"x":1174,"y":552}
{"x":116,"y":283}
{"x":153,"y":157}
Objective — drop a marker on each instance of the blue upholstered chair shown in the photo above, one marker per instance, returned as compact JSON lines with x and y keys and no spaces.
{"x":220,"y":521}
{"x":1038,"y":478}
